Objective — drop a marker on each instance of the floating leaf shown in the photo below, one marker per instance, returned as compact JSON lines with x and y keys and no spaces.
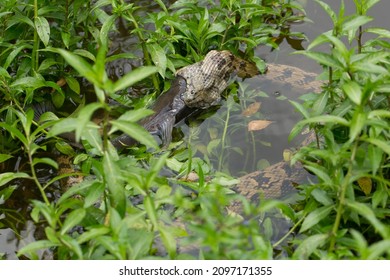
{"x":365,"y":183}
{"x":251,"y":109}
{"x":258,"y":124}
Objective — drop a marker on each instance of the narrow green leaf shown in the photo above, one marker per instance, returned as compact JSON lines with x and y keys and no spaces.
{"x":115,"y":185}
{"x":320,"y":172}
{"x":106,"y":28}
{"x":379,"y":31}
{"x":15,"y":132}
{"x":81,"y":66}
{"x":9,"y":176}
{"x":159,"y":58}
{"x":355,"y":22}
{"x":135,"y":115}
{"x":376,"y":250}
{"x":323,"y":58}
{"x":322,"y":197}
{"x":329,"y":11}
{"x":358,"y":121}
{"x":300,"y":108}
{"x":4,"y":157}
{"x":43,"y":29}
{"x":73,"y":84}
{"x":379,"y":143}
{"x":92,"y":234}
{"x":73,"y":219}
{"x":5,"y":193}
{"x":11,"y":56}
{"x":315,"y":217}
{"x":93,"y":194}
{"x":169,"y":240}
{"x":325,"y":119}
{"x":151,"y":211}
{"x":135,"y":131}
{"x":28,"y":82}
{"x":309,"y":245}
{"x":47,"y":161}
{"x":64,"y":125}
{"x":36,"y":246}
{"x":84,"y":117}
{"x":72,"y":245}
{"x":365,"y":211}
{"x":133,"y":77}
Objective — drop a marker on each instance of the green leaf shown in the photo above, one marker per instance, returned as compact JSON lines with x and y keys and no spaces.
{"x":43,"y":29}
{"x":322,"y":197}
{"x":300,"y":108}
{"x":365,"y":211}
{"x":329,"y":11}
{"x":47,"y":161}
{"x":73,"y":219}
{"x":81,"y":66}
{"x":135,"y":131}
{"x":93,"y":194}
{"x":133,"y":77}
{"x":72,"y":245}
{"x":135,"y":115}
{"x":379,"y":143}
{"x":36,"y":246}
{"x":5,"y":193}
{"x":325,"y":119}
{"x":9,"y":176}
{"x":315,"y":217}
{"x":358,"y":121}
{"x":28,"y":82}
{"x":353,"y":91}
{"x":115,"y":185}
{"x":379,"y":31}
{"x":106,"y":28}
{"x":169,"y":240}
{"x":73,"y":84}
{"x":151,"y":211}
{"x":11,"y":56}
{"x":4,"y":157}
{"x":159,"y":58}
{"x":84,"y":118}
{"x":92,"y":234}
{"x":376,"y":250}
{"x":322,"y":58}
{"x":65,"y":125}
{"x":309,"y":245}
{"x":355,"y":22}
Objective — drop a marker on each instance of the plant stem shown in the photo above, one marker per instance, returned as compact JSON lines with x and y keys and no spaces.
{"x":140,"y":36}
{"x":292,"y":229}
{"x":224,"y":138}
{"x":34,"y":54}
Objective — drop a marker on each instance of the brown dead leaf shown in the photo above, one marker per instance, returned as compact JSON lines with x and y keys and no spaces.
{"x":251,"y":109}
{"x":258,"y":124}
{"x":365,"y":184}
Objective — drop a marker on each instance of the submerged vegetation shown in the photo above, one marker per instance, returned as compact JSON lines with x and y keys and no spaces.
{"x":90,"y":201}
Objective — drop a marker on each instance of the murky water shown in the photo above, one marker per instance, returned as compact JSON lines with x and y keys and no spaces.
{"x":268,"y":143}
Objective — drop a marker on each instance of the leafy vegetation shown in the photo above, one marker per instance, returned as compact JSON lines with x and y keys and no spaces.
{"x":134,"y":204}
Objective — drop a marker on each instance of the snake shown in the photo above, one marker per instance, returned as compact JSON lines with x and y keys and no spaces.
{"x":199,"y":86}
